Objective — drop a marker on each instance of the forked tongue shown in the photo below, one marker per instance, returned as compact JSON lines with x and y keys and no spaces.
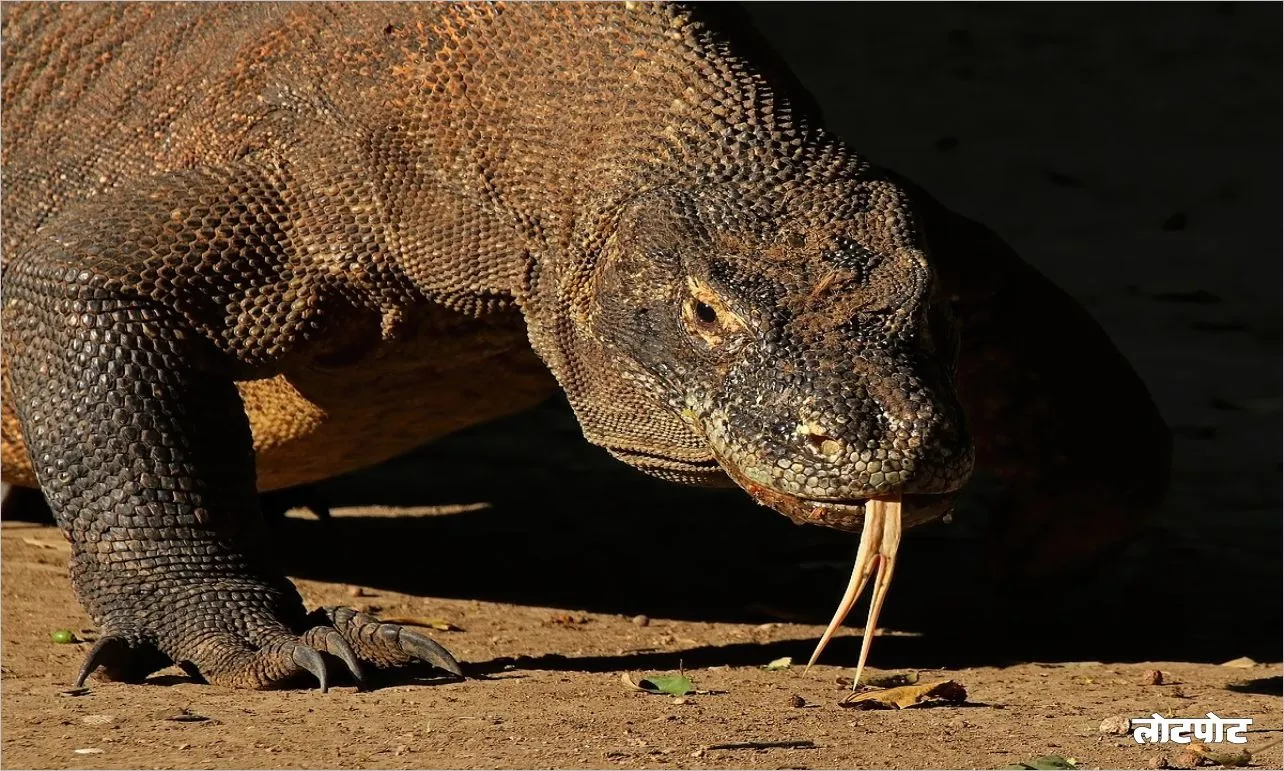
{"x":879,"y":540}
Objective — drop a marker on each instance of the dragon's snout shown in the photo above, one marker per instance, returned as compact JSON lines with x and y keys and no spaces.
{"x":840,"y":442}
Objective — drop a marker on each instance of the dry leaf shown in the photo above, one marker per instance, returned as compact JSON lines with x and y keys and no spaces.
{"x":928,"y":694}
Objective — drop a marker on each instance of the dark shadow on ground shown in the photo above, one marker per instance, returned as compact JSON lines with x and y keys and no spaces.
{"x":544,"y":519}
{"x":1267,"y":686}
{"x":567,"y":526}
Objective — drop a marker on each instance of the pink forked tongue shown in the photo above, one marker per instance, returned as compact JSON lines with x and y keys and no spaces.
{"x":879,"y":540}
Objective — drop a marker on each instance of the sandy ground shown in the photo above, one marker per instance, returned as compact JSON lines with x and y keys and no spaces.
{"x":549,"y":694}
{"x":1132,"y":154}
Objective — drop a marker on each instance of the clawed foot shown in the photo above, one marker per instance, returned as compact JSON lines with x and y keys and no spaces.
{"x":275,"y":657}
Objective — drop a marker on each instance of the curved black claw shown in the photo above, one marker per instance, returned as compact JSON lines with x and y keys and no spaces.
{"x":121,"y":660}
{"x":328,"y":639}
{"x":420,"y":646}
{"x":385,"y":644}
{"x":311,"y":660}
{"x":107,"y":649}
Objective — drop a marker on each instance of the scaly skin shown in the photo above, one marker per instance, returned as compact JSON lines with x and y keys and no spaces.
{"x":248,"y":246}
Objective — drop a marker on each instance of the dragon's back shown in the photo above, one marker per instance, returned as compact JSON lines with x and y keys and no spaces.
{"x":100,"y":96}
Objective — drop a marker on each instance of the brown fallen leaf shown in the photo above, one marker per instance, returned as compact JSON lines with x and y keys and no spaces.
{"x":937,"y":693}
{"x":440,"y":624}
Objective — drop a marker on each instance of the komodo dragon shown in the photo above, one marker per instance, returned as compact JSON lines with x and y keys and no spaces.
{"x":248,"y":246}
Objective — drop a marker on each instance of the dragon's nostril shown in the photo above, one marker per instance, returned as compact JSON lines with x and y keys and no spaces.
{"x":820,"y":442}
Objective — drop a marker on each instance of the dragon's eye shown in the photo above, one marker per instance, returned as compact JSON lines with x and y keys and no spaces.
{"x":708,"y":318}
{"x":705,"y":313}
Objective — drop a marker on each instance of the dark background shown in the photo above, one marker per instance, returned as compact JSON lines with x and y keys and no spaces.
{"x":1132,"y":153}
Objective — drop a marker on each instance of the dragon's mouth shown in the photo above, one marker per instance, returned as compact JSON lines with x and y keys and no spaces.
{"x":845,"y":514}
{"x":849,"y":514}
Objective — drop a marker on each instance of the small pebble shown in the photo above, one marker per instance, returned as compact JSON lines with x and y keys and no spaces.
{"x":797,"y":701}
{"x":98,"y":719}
{"x":357,"y":591}
{"x":640,"y":621}
{"x":1158,"y":761}
{"x":1152,"y":677}
{"x":698,"y":754}
{"x":1116,"y":724}
{"x":681,"y":700}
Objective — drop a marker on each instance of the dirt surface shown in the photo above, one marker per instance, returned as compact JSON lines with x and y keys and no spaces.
{"x":533,"y":708}
{"x":1122,"y":154}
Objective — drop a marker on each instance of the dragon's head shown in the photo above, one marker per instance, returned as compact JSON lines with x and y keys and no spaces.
{"x":798,"y":344}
